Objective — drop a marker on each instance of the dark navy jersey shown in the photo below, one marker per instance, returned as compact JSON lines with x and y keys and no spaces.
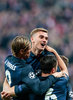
{"x":59,"y":90}
{"x":13,"y":67}
{"x":13,"y":70}
{"x":18,"y":72}
{"x":35,"y":60}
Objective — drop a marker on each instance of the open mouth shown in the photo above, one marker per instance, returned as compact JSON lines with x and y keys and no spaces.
{"x":42,"y":44}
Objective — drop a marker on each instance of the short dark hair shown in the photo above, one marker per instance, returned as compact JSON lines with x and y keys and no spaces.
{"x":19,"y":42}
{"x":47,"y":63}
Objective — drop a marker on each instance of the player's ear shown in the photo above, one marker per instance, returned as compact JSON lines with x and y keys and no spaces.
{"x":53,"y":70}
{"x":32,"y":39}
{"x":21,"y":51}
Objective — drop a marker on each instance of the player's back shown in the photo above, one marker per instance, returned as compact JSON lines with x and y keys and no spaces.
{"x":58,"y":91}
{"x":13,"y":72}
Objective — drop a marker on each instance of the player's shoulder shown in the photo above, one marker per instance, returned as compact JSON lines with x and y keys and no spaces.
{"x":63,"y":79}
{"x":28,"y":67}
{"x":8,"y":57}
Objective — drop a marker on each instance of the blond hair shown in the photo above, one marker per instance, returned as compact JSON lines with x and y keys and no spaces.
{"x":18,"y":43}
{"x":37,"y":30}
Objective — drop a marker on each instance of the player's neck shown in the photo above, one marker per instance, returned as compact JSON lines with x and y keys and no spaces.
{"x":35,"y":51}
{"x":45,"y":75}
{"x":19,"y":56}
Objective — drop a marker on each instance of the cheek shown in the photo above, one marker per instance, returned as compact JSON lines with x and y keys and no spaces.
{"x":36,"y":42}
{"x":46,"y":41}
{"x":28,"y":53}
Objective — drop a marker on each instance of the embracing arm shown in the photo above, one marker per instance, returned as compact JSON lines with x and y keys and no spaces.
{"x":37,"y":86}
{"x":32,"y":82}
{"x":10,"y":91}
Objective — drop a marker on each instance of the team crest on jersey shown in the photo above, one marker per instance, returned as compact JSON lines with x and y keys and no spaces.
{"x":31,"y":75}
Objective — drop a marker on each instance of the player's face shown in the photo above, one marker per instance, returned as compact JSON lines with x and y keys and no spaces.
{"x":39,"y":40}
{"x":26,"y":53}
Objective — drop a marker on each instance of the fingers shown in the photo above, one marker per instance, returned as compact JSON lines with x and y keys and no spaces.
{"x":59,"y":74}
{"x":5,"y":95}
{"x":64,"y":74}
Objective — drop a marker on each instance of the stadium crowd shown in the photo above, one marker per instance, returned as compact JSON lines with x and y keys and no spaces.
{"x":21,"y":16}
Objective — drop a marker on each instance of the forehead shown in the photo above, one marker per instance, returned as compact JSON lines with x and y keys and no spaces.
{"x":41,"y":33}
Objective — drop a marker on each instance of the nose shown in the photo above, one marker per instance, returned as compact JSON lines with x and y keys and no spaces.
{"x":44,"y":40}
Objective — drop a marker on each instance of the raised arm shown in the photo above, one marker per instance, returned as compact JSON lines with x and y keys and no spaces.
{"x":61,"y":63}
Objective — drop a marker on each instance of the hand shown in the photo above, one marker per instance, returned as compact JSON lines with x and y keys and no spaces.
{"x":59,"y":74}
{"x":8,"y":89}
{"x":5,"y":96}
{"x":50,"y":49}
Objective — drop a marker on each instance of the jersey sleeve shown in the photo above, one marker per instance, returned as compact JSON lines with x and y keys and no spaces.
{"x":21,"y":89}
{"x":34,"y":83}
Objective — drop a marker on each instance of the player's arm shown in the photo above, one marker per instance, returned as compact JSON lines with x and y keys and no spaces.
{"x":10,"y":91}
{"x":34,"y":84}
{"x":61,"y":63}
{"x":65,"y":59}
{"x":6,"y":89}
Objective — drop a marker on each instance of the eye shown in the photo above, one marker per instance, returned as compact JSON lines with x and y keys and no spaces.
{"x":46,"y":38}
{"x":41,"y":36}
